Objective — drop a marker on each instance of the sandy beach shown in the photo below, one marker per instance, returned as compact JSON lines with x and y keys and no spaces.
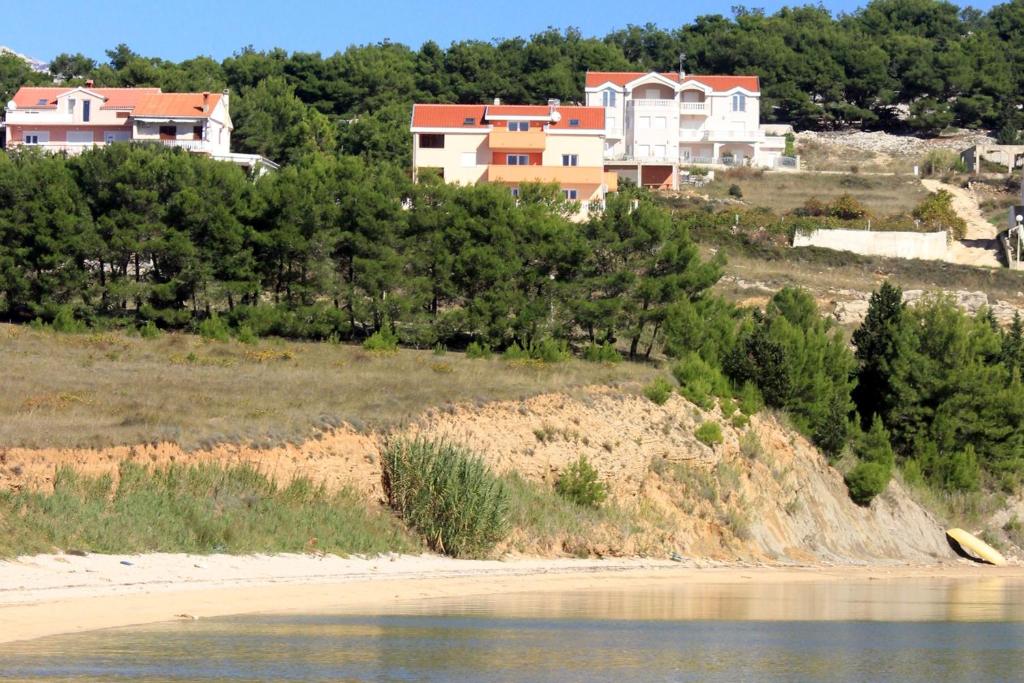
{"x":54,"y":594}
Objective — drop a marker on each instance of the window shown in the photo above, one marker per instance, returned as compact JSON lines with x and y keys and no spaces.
{"x":659,"y":122}
{"x":574,"y":123}
{"x":520,"y":126}
{"x":610,"y":122}
{"x":42,"y":102}
{"x":608,"y":98}
{"x":168,"y":132}
{"x":86,"y":106}
{"x":518,"y":159}
{"x":431,"y":141}
{"x":31,"y":138}
{"x":469,"y":121}
{"x":653,"y":94}
{"x":71,"y":106}
{"x":468,"y":159}
{"x":197,"y":132}
{"x":79,"y":137}
{"x":571,"y":195}
{"x":643,"y":122}
{"x":570,"y":160}
{"x":739,"y":102}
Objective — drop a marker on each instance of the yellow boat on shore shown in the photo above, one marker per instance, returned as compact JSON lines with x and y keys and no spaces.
{"x":975,"y":548}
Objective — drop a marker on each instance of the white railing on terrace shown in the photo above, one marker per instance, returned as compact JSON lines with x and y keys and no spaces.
{"x":688,"y":135}
{"x":77,"y":147}
{"x":653,"y":104}
{"x":647,"y":160}
{"x":735,"y":135}
{"x":693,"y":107}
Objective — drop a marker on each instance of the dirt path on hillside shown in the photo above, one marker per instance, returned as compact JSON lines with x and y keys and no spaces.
{"x":980,"y":246}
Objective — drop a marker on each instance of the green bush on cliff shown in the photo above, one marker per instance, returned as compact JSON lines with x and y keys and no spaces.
{"x":867,"y":480}
{"x":579,"y":483}
{"x":447,"y":494}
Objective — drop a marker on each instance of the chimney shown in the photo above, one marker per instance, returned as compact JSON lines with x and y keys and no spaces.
{"x":497,"y":101}
{"x":206,"y":102}
{"x":225,"y":98}
{"x":89,"y":83}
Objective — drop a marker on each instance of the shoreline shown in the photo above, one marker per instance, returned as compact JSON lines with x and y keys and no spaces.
{"x":49,"y":595}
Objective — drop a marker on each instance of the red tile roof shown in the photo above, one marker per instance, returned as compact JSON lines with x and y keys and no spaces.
{"x":589,"y":118}
{"x":621,"y":78}
{"x":143,"y":101}
{"x":454,"y":115}
{"x":187,"y":104}
{"x":448,"y":115}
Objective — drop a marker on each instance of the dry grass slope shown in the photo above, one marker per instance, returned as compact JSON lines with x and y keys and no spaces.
{"x":93,"y":390}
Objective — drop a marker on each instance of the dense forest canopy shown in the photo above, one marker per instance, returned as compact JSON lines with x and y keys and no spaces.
{"x":895,"y":64}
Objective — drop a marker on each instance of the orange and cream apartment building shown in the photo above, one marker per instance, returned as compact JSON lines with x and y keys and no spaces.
{"x":515,"y":144}
{"x":71,"y":119}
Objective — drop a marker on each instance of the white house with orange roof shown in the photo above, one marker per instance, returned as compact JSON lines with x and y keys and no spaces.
{"x":515,"y":144}
{"x":656,"y":122}
{"x":70,"y":119}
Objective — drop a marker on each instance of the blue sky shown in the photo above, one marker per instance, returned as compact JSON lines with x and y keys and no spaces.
{"x":182,"y":29}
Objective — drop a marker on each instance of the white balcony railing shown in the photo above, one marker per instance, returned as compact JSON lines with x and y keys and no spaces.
{"x":78,"y":147}
{"x":653,"y":104}
{"x":734,"y":135}
{"x":693,"y":107}
{"x":689,"y":135}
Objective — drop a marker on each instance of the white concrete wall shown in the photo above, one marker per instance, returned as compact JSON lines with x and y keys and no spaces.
{"x":590,"y":148}
{"x":451,"y":157}
{"x":931,"y":246}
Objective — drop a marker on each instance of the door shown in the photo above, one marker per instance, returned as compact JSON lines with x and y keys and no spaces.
{"x":168,"y":133}
{"x":116,"y":136}
{"x":86,"y":110}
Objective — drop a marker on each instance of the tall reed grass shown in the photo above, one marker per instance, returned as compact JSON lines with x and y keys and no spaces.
{"x":447,"y":494}
{"x":199,"y":509}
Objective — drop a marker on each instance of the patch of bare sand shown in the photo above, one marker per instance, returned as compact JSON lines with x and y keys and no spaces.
{"x":49,"y":595}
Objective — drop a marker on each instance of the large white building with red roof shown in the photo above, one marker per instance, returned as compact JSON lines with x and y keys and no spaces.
{"x":71,"y":119}
{"x":515,"y":144}
{"x":656,"y":122}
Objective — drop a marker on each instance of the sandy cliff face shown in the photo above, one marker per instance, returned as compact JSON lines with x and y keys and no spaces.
{"x":773,"y":498}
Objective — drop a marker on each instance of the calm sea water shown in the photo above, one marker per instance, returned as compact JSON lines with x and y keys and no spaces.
{"x":927,"y":631}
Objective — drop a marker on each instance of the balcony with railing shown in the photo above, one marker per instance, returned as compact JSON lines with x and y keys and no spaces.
{"x":563,"y":175}
{"x":694,"y":108}
{"x":716,"y":135}
{"x":534,"y":140}
{"x":653,"y":105}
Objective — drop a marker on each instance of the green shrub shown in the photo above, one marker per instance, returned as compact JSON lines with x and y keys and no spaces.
{"x":580,"y":484}
{"x":658,"y":391}
{"x":149,"y":330}
{"x":790,"y":148}
{"x":447,"y":494}
{"x":740,"y":421}
{"x":605,"y":353}
{"x":699,"y":378}
{"x":550,"y":350}
{"x":516,"y":352}
{"x":64,"y":321}
{"x":246,"y":335}
{"x":699,"y":393}
{"x":478,"y":350}
{"x":383,"y":340}
{"x":214,"y":328}
{"x":440,"y":349}
{"x":709,"y":433}
{"x":936,"y":212}
{"x":736,"y":191}
{"x":865,"y":481}
{"x":750,"y":398}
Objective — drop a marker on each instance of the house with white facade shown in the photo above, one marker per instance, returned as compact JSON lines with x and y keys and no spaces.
{"x":71,"y":119}
{"x":657,"y":122}
{"x":515,"y":144}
